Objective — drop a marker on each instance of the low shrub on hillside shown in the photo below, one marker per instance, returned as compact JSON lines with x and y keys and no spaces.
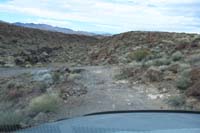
{"x":177,"y":56}
{"x":129,"y":72}
{"x":56,"y":77}
{"x":161,"y":62}
{"x":74,"y":76}
{"x":194,"y":59}
{"x":10,"y":118}
{"x":184,"y":80}
{"x":45,"y":103}
{"x":139,"y":54}
{"x":176,"y":101}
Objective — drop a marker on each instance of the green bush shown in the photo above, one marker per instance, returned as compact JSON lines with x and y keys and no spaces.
{"x":56,"y":77}
{"x":184,"y":40}
{"x":184,"y":80}
{"x":161,"y":62}
{"x":42,"y":86}
{"x":45,"y":103}
{"x":125,"y":72}
{"x":176,"y":101}
{"x":184,"y":66}
{"x":177,"y":56}
{"x":73,"y":76}
{"x":10,"y":118}
{"x":194,"y":59}
{"x":139,"y":54}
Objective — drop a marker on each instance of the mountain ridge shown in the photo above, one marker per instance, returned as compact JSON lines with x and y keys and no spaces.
{"x":57,"y":29}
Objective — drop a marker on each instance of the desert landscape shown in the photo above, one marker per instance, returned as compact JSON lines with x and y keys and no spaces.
{"x":46,"y":76}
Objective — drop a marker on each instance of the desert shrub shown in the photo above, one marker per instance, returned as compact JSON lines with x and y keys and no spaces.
{"x":14,"y":89}
{"x":45,"y":103}
{"x":167,"y":42}
{"x":184,"y":66}
{"x":129,"y":72}
{"x":153,"y":74}
{"x":14,"y":84}
{"x":73,"y":76}
{"x":185,"y":40}
{"x":195,"y":59}
{"x":10,"y":84}
{"x":125,"y":73}
{"x":149,"y":63}
{"x":161,"y":62}
{"x":163,"y":68}
{"x":177,"y":56}
{"x":139,"y":54}
{"x":184,"y":80}
{"x":135,"y":64}
{"x":10,"y":118}
{"x":56,"y":77}
{"x":176,"y":101}
{"x":42,"y":86}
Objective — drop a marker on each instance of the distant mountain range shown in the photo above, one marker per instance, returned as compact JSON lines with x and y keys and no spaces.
{"x":57,"y":29}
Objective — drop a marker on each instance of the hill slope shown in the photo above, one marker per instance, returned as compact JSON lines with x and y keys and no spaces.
{"x":32,"y":46}
{"x":29,"y":46}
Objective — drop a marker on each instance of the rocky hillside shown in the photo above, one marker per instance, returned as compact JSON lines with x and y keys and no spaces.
{"x":25,"y":46}
{"x":116,"y":49}
{"x":126,"y":71}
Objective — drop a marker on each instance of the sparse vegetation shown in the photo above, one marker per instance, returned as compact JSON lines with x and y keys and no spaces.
{"x":45,"y":103}
{"x":176,"y":101}
{"x":194,"y":59}
{"x":161,"y":62}
{"x":139,"y":54}
{"x":42,"y":86}
{"x":73,"y":76}
{"x":56,"y":77}
{"x":155,"y":62}
{"x":177,"y":56}
{"x":10,"y":118}
{"x":184,"y":80}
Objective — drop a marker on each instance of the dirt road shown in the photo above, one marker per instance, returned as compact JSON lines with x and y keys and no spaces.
{"x":107,"y":94}
{"x":104,"y":92}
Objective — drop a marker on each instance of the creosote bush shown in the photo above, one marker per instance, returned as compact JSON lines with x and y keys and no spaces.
{"x":74,"y":76}
{"x":56,"y":77}
{"x":184,"y":80}
{"x":177,"y":56}
{"x":176,"y":101}
{"x":139,"y":54}
{"x":10,"y":118}
{"x":161,"y":62}
{"x":45,"y":103}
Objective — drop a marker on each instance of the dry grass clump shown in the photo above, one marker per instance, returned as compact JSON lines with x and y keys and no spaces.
{"x":45,"y":103}
{"x":139,"y":54}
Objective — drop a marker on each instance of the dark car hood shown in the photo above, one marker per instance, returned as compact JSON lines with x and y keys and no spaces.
{"x":125,"y":122}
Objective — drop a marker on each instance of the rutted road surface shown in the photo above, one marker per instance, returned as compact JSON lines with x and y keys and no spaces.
{"x":107,"y":94}
{"x":104,"y":93}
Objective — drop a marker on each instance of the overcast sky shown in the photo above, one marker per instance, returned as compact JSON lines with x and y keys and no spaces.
{"x":113,"y":16}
